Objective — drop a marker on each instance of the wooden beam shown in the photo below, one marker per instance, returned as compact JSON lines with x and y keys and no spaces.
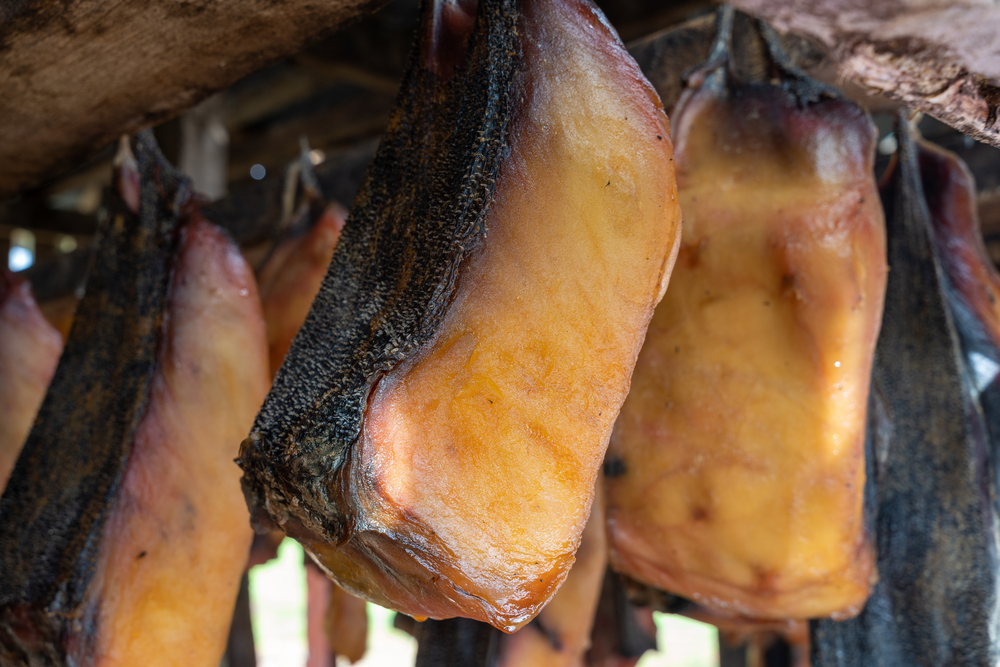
{"x":76,"y":74}
{"x":942,"y":58}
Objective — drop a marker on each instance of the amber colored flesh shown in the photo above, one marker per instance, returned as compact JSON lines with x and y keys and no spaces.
{"x":561,"y":636}
{"x":292,"y":277}
{"x":474,"y":474}
{"x":741,"y":445}
{"x":177,"y":540}
{"x":29,"y":351}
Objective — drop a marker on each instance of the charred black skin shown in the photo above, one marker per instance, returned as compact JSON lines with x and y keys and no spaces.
{"x":62,"y":490}
{"x":420,"y":212}
{"x":934,"y":513}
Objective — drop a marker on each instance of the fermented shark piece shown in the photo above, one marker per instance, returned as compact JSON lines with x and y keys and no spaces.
{"x":736,"y":469}
{"x":29,"y":351}
{"x":292,"y":277}
{"x":972,"y":284}
{"x":179,"y":532}
{"x":65,"y":480}
{"x":128,"y":472}
{"x":435,"y":432}
{"x":934,"y":508}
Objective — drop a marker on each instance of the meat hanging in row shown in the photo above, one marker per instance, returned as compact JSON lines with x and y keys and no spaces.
{"x":736,"y":468}
{"x":435,"y":432}
{"x":930,"y":500}
{"x":29,"y":350}
{"x":128,"y":471}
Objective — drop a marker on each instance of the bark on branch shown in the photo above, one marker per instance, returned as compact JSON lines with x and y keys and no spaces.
{"x":937,"y":56}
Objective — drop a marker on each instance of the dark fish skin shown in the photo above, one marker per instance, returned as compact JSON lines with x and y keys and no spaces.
{"x":935,"y":521}
{"x":388,"y":286}
{"x":972,"y":284}
{"x":53,"y":511}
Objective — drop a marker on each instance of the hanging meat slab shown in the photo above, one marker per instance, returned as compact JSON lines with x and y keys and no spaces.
{"x":291,"y":278}
{"x":128,"y":471}
{"x":971,"y":282}
{"x":736,"y":469}
{"x":934,"y":503}
{"x":434,"y":435}
{"x":29,"y":351}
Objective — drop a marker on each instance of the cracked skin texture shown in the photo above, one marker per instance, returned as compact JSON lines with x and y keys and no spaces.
{"x":29,"y":351}
{"x":740,"y":449}
{"x":474,"y":473}
{"x":177,"y":540}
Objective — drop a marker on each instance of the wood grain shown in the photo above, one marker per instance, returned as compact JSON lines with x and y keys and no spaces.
{"x":75,"y":74}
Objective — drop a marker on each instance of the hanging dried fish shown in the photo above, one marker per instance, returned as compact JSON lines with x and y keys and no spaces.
{"x":934,"y":505}
{"x":435,"y":432}
{"x":971,"y":281}
{"x":736,"y":469}
{"x":29,"y":350}
{"x":123,"y":533}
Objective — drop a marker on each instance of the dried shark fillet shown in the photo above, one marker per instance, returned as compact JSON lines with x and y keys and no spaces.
{"x":434,"y":435}
{"x":736,"y":469}
{"x":291,"y":278}
{"x":934,"y":505}
{"x":179,"y":533}
{"x":29,"y":350}
{"x":65,"y":480}
{"x":972,"y":284}
{"x":143,"y":556}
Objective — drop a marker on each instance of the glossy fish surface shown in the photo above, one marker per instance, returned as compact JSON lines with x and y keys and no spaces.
{"x":449,"y":469}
